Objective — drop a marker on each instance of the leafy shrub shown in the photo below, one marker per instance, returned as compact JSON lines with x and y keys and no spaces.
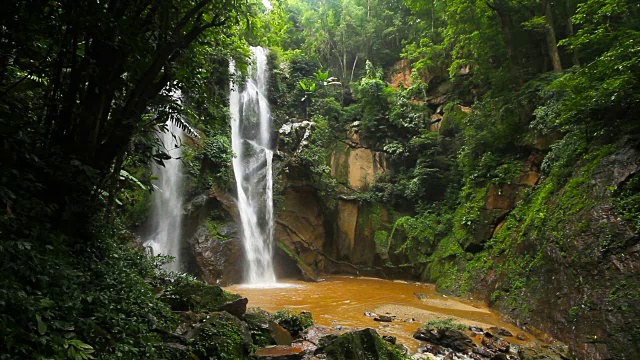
{"x":445,"y":324}
{"x":294,"y":322}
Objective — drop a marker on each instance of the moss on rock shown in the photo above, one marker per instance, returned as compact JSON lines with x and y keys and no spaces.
{"x":221,"y":336}
{"x":358,"y":345}
{"x":294,"y":322}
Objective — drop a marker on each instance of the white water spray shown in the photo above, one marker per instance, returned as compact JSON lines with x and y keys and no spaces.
{"x":167,"y":202}
{"x":251,"y":142}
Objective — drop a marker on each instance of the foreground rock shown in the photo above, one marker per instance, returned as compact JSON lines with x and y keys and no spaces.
{"x":280,"y":352}
{"x":451,"y":339}
{"x":265,"y":331}
{"x":236,"y":308}
{"x":357,"y":345}
{"x":294,"y":322}
{"x":220,"y":333}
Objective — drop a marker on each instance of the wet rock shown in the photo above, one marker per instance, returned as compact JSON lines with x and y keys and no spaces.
{"x":499,"y":356}
{"x":310,"y":338}
{"x":279,"y":334}
{"x":500,"y":331}
{"x":218,"y":253}
{"x":429,"y":349}
{"x":476,"y":330}
{"x":423,"y":357}
{"x":402,"y":349}
{"x":514,"y":349}
{"x":384,"y":318}
{"x":452,"y":339}
{"x":280,"y":352}
{"x":236,"y":308}
{"x":294,"y":322}
{"x":496,"y":344}
{"x":390,"y":339}
{"x":521,"y":337}
{"x":370,"y":314}
{"x":362,"y":344}
{"x":221,"y":333}
{"x":484,"y":352}
{"x":421,"y":296}
{"x":258,"y":322}
{"x":307,"y":346}
{"x":426,"y":356}
{"x":184,"y":295}
{"x":315,"y":333}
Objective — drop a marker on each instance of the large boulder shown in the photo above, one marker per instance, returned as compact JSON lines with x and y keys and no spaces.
{"x":357,"y":345}
{"x":189,"y":295}
{"x":280,"y":352}
{"x":218,"y":252}
{"x":221,"y":336}
{"x":294,"y":322}
{"x":452,"y":339}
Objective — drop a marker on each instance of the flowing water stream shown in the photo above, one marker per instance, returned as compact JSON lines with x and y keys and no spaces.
{"x":252,"y":147}
{"x":340,"y":302}
{"x":166,"y":215}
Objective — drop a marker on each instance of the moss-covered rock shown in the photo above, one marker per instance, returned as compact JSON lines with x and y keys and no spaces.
{"x":185,"y":294}
{"x":258,"y":321}
{"x":357,"y":345}
{"x":566,"y":258}
{"x":221,"y":336}
{"x":294,"y":322}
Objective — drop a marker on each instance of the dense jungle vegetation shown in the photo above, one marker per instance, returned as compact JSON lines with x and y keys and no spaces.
{"x":462,"y":97}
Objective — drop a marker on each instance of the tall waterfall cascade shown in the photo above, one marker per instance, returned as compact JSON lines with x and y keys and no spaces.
{"x":252,"y":147}
{"x":166,"y":216}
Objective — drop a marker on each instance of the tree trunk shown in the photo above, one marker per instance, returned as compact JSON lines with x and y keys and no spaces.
{"x":570,"y":33}
{"x":506,"y":25}
{"x":552,"y":44}
{"x":353,"y":69}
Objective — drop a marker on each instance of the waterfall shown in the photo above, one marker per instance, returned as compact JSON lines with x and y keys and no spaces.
{"x":251,"y":142}
{"x":166,"y":215}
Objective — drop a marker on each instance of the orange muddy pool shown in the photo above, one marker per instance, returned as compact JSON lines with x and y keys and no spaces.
{"x":341,"y":302}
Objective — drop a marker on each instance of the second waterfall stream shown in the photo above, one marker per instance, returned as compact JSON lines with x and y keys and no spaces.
{"x":253,"y":156}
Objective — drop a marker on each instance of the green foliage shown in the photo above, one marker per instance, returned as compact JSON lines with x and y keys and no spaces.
{"x":445,"y":324}
{"x":258,"y":323}
{"x":627,"y":200}
{"x":221,"y":336}
{"x":294,"y":322}
{"x":343,"y":34}
{"x":420,"y":235}
{"x":374,"y":102}
{"x":606,"y":41}
{"x":77,"y":350}
{"x":184,"y":293}
{"x":209,"y":161}
{"x":362,"y":344}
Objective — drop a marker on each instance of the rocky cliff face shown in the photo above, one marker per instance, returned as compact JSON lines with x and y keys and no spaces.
{"x":564,"y":260}
{"x":299,"y":228}
{"x":341,"y":238}
{"x":554,"y":254}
